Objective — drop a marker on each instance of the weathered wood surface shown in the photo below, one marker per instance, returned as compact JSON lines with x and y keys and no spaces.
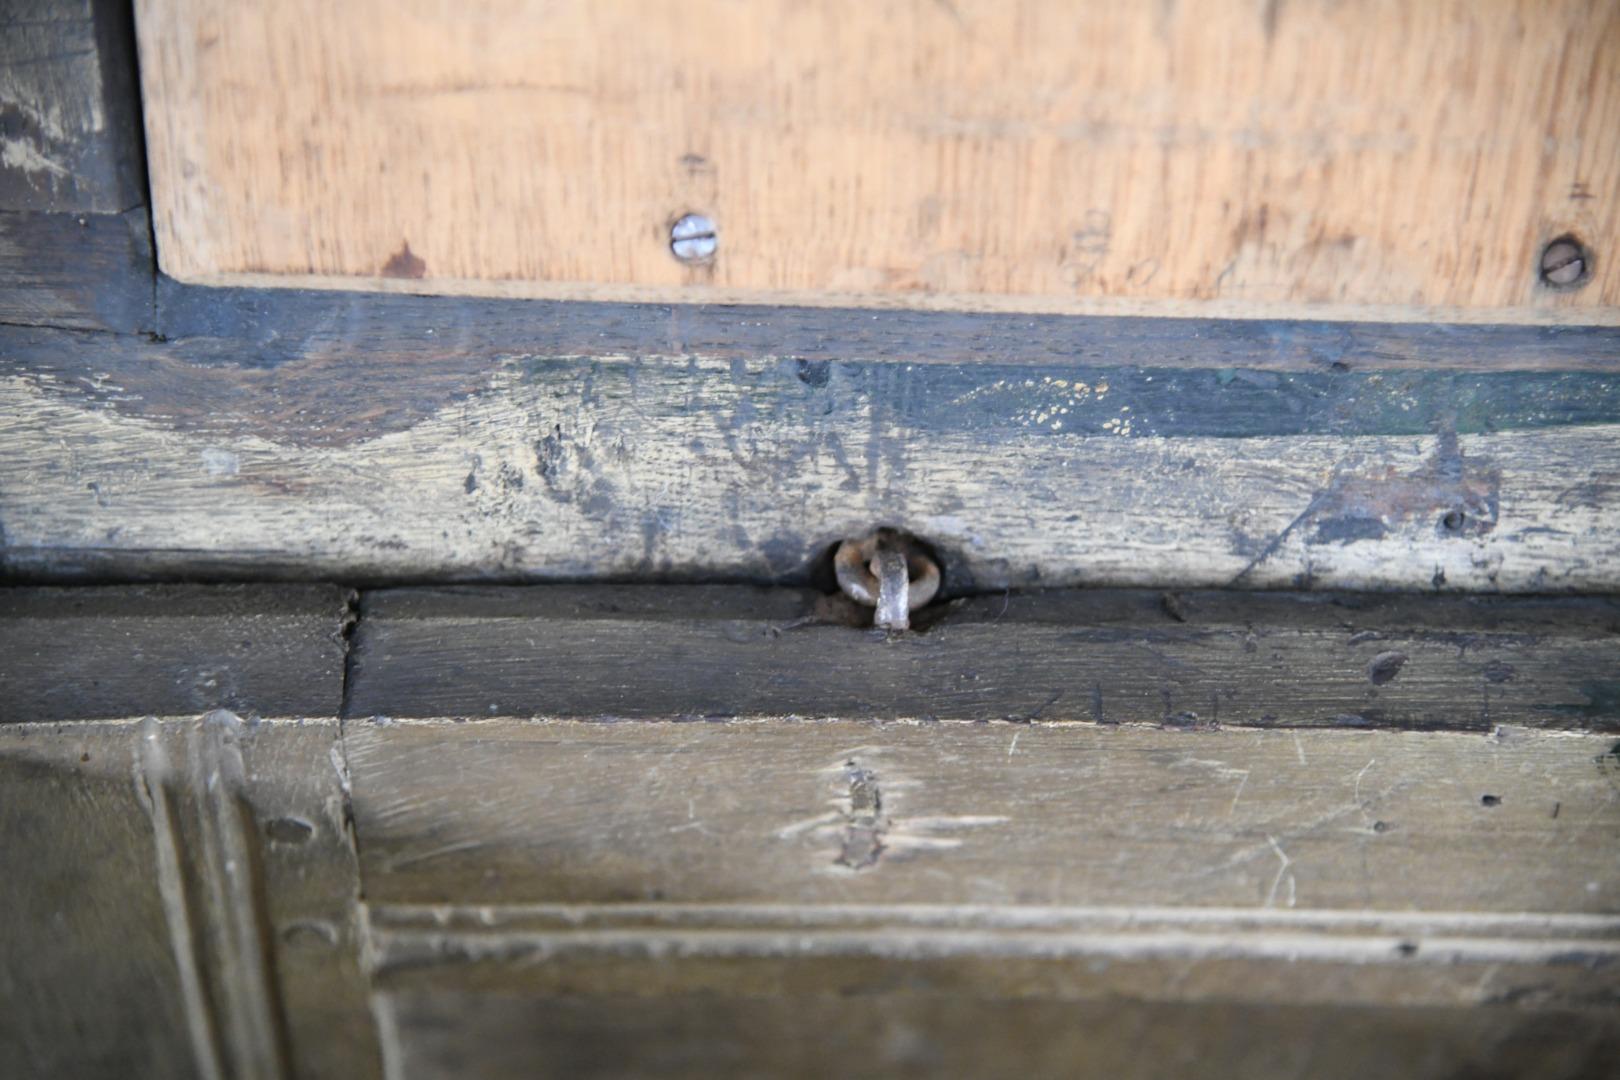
{"x":791,"y":951}
{"x":1407,"y":159}
{"x":69,"y":134}
{"x":1002,"y":952}
{"x":959,"y":1035}
{"x":295,"y":796}
{"x":551,"y":896}
{"x":1180,"y":660}
{"x":503,"y":811}
{"x":114,"y":652}
{"x":78,"y":271}
{"x":268,"y":327}
{"x":182,"y":901}
{"x":986,"y":899}
{"x":375,"y":438}
{"x":88,"y":982}
{"x":204,"y":457}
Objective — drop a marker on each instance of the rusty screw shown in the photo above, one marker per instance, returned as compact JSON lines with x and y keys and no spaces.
{"x":1565,"y":263}
{"x":693,"y":238}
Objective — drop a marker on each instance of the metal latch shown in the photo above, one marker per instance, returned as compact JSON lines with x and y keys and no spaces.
{"x":888,"y":571}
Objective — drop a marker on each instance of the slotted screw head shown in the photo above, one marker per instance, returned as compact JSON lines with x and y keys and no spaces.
{"x":1564,"y":263}
{"x":693,"y":238}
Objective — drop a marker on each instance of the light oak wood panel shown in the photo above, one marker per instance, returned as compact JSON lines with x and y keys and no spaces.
{"x":1399,"y":159}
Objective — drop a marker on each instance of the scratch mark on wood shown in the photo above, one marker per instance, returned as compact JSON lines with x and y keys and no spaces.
{"x":1282,"y":871}
{"x":1363,"y":806}
{"x":1238,"y":794}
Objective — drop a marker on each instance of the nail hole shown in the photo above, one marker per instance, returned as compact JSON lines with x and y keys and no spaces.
{"x":1453,"y":521}
{"x":1407,"y":948}
{"x":1490,"y":800}
{"x":289,"y":830}
{"x":1566,"y":263}
{"x":693,"y":238}
{"x":1380,"y":826}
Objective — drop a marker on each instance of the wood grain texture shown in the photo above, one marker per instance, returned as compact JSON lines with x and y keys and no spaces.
{"x":79,"y":654}
{"x":182,"y":901}
{"x":69,"y":129}
{"x":275,"y":327}
{"x":88,"y":983}
{"x":1179,"y":660}
{"x":210,"y":457}
{"x":918,"y":1035}
{"x":295,"y":799}
{"x":76,"y":271}
{"x":561,"y":897}
{"x":505,"y":811}
{"x":1406,"y":159}
{"x":1189,"y":953}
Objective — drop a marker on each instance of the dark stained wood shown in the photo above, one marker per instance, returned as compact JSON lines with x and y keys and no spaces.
{"x":1184,"y":660}
{"x":69,"y":111}
{"x":78,"y":271}
{"x":284,"y":325}
{"x":758,"y":811}
{"x":78,"y":654}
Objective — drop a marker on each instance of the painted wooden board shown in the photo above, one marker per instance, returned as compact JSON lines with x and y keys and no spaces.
{"x":223,"y":457}
{"x":1404,"y":159}
{"x":845,"y":812}
{"x":109,"y":653}
{"x":1189,"y":660}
